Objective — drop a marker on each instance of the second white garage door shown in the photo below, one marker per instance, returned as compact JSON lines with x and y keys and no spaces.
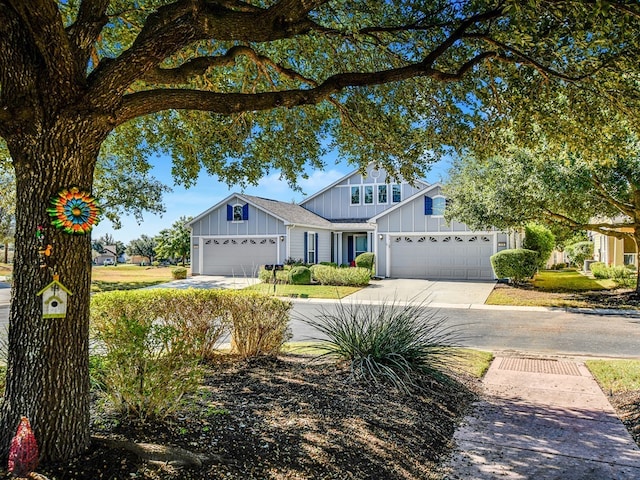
{"x":241,"y":257}
{"x":448,"y":257}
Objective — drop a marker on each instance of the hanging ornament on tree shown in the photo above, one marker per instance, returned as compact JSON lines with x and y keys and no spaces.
{"x":74,"y":211}
{"x":23,"y":451}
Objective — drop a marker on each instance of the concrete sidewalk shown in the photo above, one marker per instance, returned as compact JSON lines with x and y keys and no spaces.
{"x":542,"y":419}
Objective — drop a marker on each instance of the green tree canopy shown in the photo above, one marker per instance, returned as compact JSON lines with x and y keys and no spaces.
{"x":238,"y":88}
{"x":175,"y":242}
{"x":144,"y":246}
{"x":512,"y":190}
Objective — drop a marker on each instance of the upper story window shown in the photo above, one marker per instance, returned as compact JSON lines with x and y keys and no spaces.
{"x":237,"y":212}
{"x":355,"y":195}
{"x":396,"y":193}
{"x":382,"y":194}
{"x":368,"y":194}
{"x":439,"y":205}
{"x":435,"y":205}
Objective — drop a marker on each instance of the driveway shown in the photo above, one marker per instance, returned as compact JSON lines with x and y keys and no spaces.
{"x":210,"y":282}
{"x":434,"y":293}
{"x":427,"y":292}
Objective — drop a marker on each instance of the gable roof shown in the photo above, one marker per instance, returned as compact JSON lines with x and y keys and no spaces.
{"x":289,"y":213}
{"x":340,"y":180}
{"x":407,"y":200}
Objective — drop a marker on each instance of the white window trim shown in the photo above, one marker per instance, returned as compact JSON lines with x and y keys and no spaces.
{"x":378,"y":194}
{"x":311,"y":239}
{"x":233,"y":216}
{"x":435,"y":215}
{"x":351,"y":202}
{"x":364,"y":195}
{"x":391,"y":196}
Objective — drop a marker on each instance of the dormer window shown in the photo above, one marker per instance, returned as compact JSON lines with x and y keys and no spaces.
{"x":237,"y":212}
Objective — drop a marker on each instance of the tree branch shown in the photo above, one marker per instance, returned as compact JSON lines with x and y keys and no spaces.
{"x":84,"y":32}
{"x":43,"y":20}
{"x":151,"y":101}
{"x":181,"y":23}
{"x":199,"y":66}
{"x":625,"y":208}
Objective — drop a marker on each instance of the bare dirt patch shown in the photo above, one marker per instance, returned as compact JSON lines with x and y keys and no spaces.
{"x":627,"y":406}
{"x":288,"y":418}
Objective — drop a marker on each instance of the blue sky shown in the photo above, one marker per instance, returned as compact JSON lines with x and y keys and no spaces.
{"x":208,"y":191}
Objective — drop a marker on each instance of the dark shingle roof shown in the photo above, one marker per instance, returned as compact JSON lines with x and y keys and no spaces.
{"x":289,"y":212}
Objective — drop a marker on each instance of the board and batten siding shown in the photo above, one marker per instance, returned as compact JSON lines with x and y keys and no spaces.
{"x":296,"y":243}
{"x":258,"y":223}
{"x":335,"y":203}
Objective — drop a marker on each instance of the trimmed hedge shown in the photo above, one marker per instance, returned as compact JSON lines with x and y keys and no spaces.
{"x":266,"y":276}
{"x":299,"y":276}
{"x":179,"y":273}
{"x":365,"y":260}
{"x":354,"y":277}
{"x":153,"y":340}
{"x":515,"y":264}
{"x":541,"y":240}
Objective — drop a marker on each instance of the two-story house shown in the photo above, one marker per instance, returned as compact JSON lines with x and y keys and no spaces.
{"x":402,"y":224}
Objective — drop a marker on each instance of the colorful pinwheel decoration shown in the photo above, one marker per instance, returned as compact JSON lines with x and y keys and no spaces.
{"x":73,"y":211}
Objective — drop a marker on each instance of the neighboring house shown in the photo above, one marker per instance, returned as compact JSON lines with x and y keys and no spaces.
{"x":402,"y":224}
{"x":612,"y":250}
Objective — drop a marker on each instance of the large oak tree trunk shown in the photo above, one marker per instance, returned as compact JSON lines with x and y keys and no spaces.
{"x":47,"y":371}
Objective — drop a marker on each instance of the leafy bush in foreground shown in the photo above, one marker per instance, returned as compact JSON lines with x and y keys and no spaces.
{"x":389,"y":343}
{"x":618,"y":273}
{"x":154,"y":339}
{"x":539,"y":239}
{"x":515,"y":264}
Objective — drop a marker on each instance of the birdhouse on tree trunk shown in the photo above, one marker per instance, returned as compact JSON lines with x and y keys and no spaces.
{"x":54,"y":299}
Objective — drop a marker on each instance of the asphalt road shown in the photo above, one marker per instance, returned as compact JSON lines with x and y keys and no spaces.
{"x":548,"y":333}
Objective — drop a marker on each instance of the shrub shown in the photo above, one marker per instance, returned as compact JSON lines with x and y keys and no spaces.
{"x":389,"y":343}
{"x":540,"y":239}
{"x":300,"y":275}
{"x":294,"y":261}
{"x":515,"y":264}
{"x":260,"y":324}
{"x":365,"y":260}
{"x":579,"y":252}
{"x":328,"y":264}
{"x":599,"y":270}
{"x":179,"y":273}
{"x":154,"y":339}
{"x":342,"y":276}
{"x":266,"y":276}
{"x":147,"y":365}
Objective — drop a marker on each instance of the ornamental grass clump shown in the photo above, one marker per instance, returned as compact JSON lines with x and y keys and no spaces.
{"x":390,"y":344}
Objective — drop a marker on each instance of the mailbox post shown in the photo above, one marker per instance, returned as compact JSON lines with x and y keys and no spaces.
{"x":274,"y":268}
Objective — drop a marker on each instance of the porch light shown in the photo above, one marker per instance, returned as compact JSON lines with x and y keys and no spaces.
{"x":380,"y":236}
{"x":282,"y":238}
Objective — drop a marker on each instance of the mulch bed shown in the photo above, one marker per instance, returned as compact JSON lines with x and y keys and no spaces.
{"x":288,"y":418}
{"x":627,"y":406}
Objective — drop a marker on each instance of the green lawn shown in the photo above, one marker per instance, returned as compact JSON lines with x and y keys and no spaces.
{"x":569,"y":281}
{"x":616,"y":376}
{"x":311,"y":291}
{"x":127,"y":277}
{"x":553,"y":288}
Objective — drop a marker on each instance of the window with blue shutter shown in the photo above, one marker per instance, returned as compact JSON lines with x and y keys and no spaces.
{"x":428,"y":205}
{"x":439,"y":205}
{"x":237,"y":212}
{"x":306,"y":246}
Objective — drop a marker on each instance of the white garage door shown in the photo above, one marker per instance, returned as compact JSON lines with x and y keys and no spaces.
{"x":453,"y":257}
{"x":237,"y":256}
